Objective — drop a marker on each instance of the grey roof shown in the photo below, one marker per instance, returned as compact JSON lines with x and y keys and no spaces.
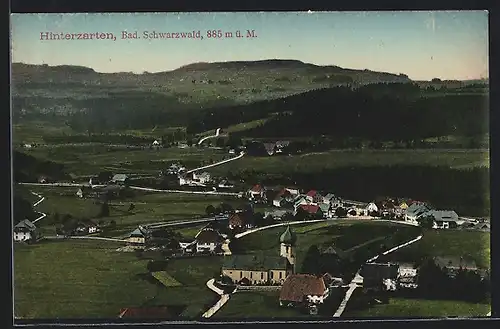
{"x":444,"y":215}
{"x":26,"y":224}
{"x":330,"y":196}
{"x":324,"y":207}
{"x":140,"y":232}
{"x":299,"y":200}
{"x":120,"y":177}
{"x":255,"y":262}
{"x":417,"y":209}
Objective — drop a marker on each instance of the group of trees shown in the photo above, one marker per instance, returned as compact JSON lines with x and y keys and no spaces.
{"x":28,"y":168}
{"x":467,"y":285}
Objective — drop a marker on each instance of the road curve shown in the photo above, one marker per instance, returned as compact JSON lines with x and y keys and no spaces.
{"x":42,"y":215}
{"x":217,"y":133}
{"x":217,"y":163}
{"x":181,"y":191}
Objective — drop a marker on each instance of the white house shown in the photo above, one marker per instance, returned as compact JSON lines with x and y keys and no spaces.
{"x":415,"y":210}
{"x":293,"y":190}
{"x":24,"y":230}
{"x":371,"y":207}
{"x":203,"y":177}
{"x":156,"y":144}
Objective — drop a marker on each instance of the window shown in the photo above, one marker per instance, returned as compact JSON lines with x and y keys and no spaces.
{"x":262,"y":275}
{"x":287,"y":248}
{"x":251,"y":275}
{"x":241,"y":274}
{"x":272,"y":274}
{"x":281,"y":275}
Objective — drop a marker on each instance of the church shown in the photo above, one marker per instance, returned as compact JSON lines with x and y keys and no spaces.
{"x":252,"y":269}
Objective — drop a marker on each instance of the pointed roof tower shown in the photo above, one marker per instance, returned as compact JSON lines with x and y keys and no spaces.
{"x":288,"y":237}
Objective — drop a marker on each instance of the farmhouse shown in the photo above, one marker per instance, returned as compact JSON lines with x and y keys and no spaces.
{"x":208,"y":240}
{"x":86,"y":227}
{"x":326,"y":210}
{"x":262,"y":269}
{"x":225,"y":184}
{"x":270,"y":148}
{"x":280,"y":145}
{"x":121,"y":179}
{"x":79,"y":193}
{"x":371,"y":207}
{"x":310,"y":209}
{"x":139,"y":236}
{"x":299,"y":201}
{"x":25,"y":230}
{"x":415,"y":210}
{"x":276,"y":214}
{"x":314,"y":197}
{"x":257,"y":192}
{"x":303,"y":290}
{"x":443,"y":218}
{"x":203,"y":177}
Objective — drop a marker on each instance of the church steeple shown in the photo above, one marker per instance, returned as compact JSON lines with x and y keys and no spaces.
{"x":287,"y":244}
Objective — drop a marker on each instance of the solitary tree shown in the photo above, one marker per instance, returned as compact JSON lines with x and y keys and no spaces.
{"x":210,"y":210}
{"x":104,"y":210}
{"x":312,"y":261}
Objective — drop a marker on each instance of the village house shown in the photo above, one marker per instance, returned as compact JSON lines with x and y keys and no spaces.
{"x":156,"y":144}
{"x":371,"y":208}
{"x":314,"y":197}
{"x":282,"y":198}
{"x":257,"y":192}
{"x":25,"y":231}
{"x":85,"y":227}
{"x":332,"y":200}
{"x":260,"y":268}
{"x":407,"y":275}
{"x":310,"y":209}
{"x":276,"y":214}
{"x":79,"y":193}
{"x":280,"y":145}
{"x":43,"y":180}
{"x":139,"y":236}
{"x":294,"y":191}
{"x":415,"y":210}
{"x":208,"y":240}
{"x":120,"y":179}
{"x":270,"y":148}
{"x":326,"y":210}
{"x":225,"y":184}
{"x":203,"y":177}
{"x":443,"y":219}
{"x":299,"y":201}
{"x":303,"y":290}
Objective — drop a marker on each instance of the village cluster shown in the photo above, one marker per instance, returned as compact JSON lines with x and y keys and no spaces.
{"x":283,"y":206}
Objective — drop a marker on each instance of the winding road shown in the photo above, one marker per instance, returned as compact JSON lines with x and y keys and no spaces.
{"x":42,"y":215}
{"x":217,"y":133}
{"x":358,"y":279}
{"x":217,"y":163}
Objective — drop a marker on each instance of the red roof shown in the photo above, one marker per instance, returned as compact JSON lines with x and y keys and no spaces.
{"x":257,"y":188}
{"x":311,"y":193}
{"x":236,"y":220}
{"x":298,"y":286}
{"x":310,"y":208}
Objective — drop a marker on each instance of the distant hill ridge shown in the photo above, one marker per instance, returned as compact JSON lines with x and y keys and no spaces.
{"x":200,"y":66}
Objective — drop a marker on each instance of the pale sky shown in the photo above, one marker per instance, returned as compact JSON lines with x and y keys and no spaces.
{"x":424,"y":45}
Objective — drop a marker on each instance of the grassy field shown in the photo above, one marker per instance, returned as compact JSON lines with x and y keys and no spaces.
{"x":92,"y":159}
{"x":149,"y":208}
{"x":255,"y":304}
{"x":315,"y":162}
{"x":343,"y":234}
{"x":166,"y":279}
{"x":415,"y":308}
{"x":470,"y":244}
{"x":77,"y":279}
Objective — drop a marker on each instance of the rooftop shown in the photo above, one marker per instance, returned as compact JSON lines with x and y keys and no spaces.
{"x":254,"y":262}
{"x":298,"y":286}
